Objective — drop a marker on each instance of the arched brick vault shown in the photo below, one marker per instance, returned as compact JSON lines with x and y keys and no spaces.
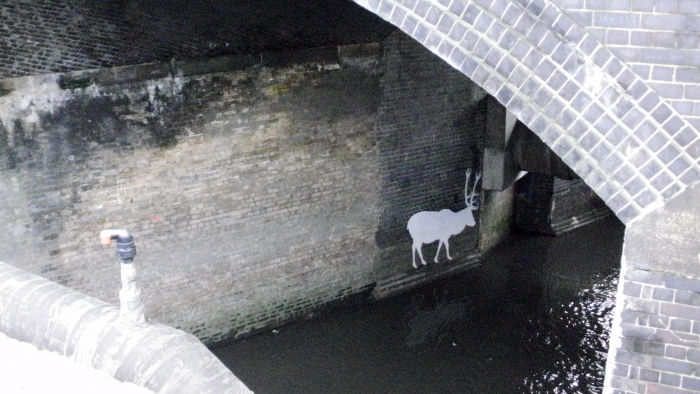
{"x":605,"y":122}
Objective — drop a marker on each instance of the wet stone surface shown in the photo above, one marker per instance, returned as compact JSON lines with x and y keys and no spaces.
{"x":534,"y":317}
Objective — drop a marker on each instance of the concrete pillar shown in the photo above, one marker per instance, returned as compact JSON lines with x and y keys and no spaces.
{"x":499,"y":169}
{"x":655,"y":341}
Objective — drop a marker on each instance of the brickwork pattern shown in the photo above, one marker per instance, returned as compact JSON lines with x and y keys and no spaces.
{"x":601,"y":118}
{"x":42,"y":36}
{"x":659,"y":39}
{"x":252,"y":192}
{"x":660,"y":347}
{"x":259,"y":188}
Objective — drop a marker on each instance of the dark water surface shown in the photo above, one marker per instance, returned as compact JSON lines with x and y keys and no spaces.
{"x":533,"y":318}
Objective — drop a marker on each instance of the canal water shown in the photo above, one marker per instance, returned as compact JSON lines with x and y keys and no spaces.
{"x":533,"y":318}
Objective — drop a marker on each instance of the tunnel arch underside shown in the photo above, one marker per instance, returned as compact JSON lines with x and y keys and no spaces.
{"x":627,"y":144}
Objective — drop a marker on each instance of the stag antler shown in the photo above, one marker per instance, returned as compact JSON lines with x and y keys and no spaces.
{"x":469,"y":198}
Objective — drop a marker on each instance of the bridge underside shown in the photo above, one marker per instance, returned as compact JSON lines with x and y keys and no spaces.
{"x":618,"y":134}
{"x":605,"y":122}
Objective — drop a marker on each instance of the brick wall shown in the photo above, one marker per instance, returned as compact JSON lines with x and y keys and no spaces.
{"x":252,"y":189}
{"x":660,"y":346}
{"x":430,"y":129}
{"x":655,"y":341}
{"x":42,"y":36}
{"x":659,"y":39}
{"x":258,"y":188}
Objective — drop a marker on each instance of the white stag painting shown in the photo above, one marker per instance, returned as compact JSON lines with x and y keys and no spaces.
{"x":430,"y":226}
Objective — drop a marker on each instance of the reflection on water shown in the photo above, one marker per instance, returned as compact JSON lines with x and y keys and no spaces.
{"x":575,"y":337}
{"x":533,"y":318}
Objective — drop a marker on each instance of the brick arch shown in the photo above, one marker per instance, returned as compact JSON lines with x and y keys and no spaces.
{"x":605,"y":122}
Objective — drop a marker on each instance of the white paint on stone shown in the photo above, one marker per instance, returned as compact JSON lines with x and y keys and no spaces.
{"x":595,"y":82}
{"x":131,"y":307}
{"x":27,"y":98}
{"x":430,"y":226}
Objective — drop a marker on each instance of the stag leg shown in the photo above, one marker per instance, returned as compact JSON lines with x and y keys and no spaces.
{"x":418,"y":247}
{"x":413,"y":255}
{"x":447,"y":249}
{"x":438,"y":251}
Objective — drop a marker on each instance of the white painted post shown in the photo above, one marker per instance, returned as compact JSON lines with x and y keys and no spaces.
{"x":130,"y":304}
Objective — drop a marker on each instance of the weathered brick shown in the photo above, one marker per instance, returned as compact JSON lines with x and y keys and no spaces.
{"x":614,"y":19}
{"x":652,"y":388}
{"x":619,"y":37}
{"x":458,"y":31}
{"x":642,"y":5}
{"x":620,"y":369}
{"x":670,"y":379}
{"x":687,"y":297}
{"x":471,"y":14}
{"x":691,"y":92}
{"x":691,"y":383}
{"x":659,"y":321}
{"x":633,"y":359}
{"x":446,"y":23}
{"x":663,"y":22}
{"x":683,"y":311}
{"x":422,"y":7}
{"x":657,"y":141}
{"x":648,"y":375}
{"x":409,"y":24}
{"x":688,"y":6}
{"x":691,"y":176}
{"x":524,"y":24}
{"x":397,"y":17}
{"x":673,"y":366}
{"x":679,"y":166}
{"x":645,"y":198}
{"x":683,"y":284}
{"x":651,"y":168}
{"x":662,"y":294}
{"x":649,"y":277}
{"x":675,"y":351}
{"x":458,"y":7}
{"x":385,"y":9}
{"x":662,"y":73}
{"x":647,"y":291}
{"x":445,"y":49}
{"x":483,"y":23}
{"x":433,"y":16}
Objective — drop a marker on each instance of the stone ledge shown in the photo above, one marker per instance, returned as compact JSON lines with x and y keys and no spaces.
{"x":405,"y":281}
{"x":149,"y":71}
{"x":89,"y":331}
